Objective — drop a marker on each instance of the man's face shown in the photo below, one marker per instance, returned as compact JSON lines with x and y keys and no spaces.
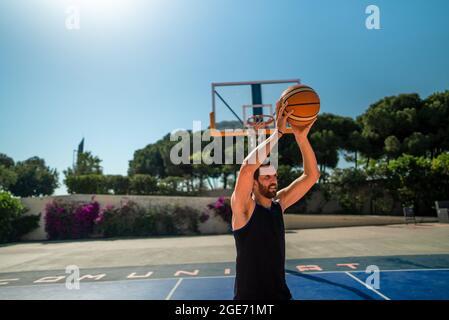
{"x":267,"y":182}
{"x":267,"y":185}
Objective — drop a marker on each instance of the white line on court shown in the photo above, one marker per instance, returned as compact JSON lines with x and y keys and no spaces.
{"x":6,"y":281}
{"x":173,"y":290}
{"x":367,"y":286}
{"x":361,"y":270}
{"x":398,"y":270}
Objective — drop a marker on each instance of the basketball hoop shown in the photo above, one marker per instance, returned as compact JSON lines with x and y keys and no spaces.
{"x":258,"y":119}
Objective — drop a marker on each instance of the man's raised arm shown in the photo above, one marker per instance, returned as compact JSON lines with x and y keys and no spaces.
{"x":298,"y":188}
{"x":245,"y":181}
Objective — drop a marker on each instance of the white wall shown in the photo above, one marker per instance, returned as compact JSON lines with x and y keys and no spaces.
{"x":36,"y":205}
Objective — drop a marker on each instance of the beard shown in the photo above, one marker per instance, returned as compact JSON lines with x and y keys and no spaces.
{"x":267,"y":191}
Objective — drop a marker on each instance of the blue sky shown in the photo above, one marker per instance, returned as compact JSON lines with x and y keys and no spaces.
{"x":136,"y":70}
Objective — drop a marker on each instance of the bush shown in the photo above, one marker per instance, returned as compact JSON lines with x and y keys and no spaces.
{"x":301,"y":205}
{"x":346,"y":185}
{"x":186,"y":219}
{"x":141,"y":184}
{"x":415,"y":181}
{"x":24,"y":225}
{"x":66,"y":220}
{"x":120,"y":221}
{"x":145,"y":224}
{"x":222,"y":208}
{"x":69,"y":220}
{"x":87,"y":184}
{"x":13,"y":224}
{"x":84,"y":218}
{"x":170,"y":186}
{"x":165,"y":224}
{"x":129,"y":219}
{"x":58,"y":219}
{"x":118,"y":184}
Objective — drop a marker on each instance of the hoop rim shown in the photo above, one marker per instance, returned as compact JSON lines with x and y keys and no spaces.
{"x":251,"y":123}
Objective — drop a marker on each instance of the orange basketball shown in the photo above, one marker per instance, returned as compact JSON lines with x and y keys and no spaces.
{"x":304,"y":101}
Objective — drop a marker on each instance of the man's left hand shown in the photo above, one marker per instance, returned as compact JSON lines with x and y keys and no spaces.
{"x":302,"y":131}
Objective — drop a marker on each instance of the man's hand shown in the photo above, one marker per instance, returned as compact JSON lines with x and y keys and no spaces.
{"x":301,"y":132}
{"x":281,"y":116}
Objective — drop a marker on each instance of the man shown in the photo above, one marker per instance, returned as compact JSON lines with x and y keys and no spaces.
{"x":257,"y":215}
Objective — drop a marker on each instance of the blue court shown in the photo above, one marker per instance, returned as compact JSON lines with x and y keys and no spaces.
{"x":405,"y":282}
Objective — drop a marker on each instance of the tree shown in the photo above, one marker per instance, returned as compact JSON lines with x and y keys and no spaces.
{"x":414,"y":181}
{"x":391,"y":116}
{"x":392,"y":146}
{"x":325,"y":145}
{"x":6,"y":161}
{"x":226,"y":171}
{"x":433,"y":122}
{"x":7,"y":177}
{"x":148,"y":161}
{"x":346,"y":185}
{"x":34,"y":178}
{"x":355,"y":143}
{"x":86,"y":164}
{"x":329,"y":134}
{"x":417,"y":144}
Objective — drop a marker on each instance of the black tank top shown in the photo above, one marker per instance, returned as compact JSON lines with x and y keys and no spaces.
{"x":260,"y":267}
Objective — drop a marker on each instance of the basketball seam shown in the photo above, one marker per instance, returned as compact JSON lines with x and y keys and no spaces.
{"x":302,"y":118}
{"x":302,"y":104}
{"x":298,"y":90}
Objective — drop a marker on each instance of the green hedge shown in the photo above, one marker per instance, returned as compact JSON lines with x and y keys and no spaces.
{"x":87,"y":184}
{"x":138,"y":184}
{"x":13,"y":222}
{"x":143,"y":184}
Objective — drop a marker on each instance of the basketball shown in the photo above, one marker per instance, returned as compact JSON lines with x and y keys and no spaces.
{"x":304,"y":102}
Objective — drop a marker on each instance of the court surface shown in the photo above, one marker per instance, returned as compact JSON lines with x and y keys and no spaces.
{"x":405,"y":277}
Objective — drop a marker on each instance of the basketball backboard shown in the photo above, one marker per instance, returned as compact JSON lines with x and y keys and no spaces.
{"x":233,"y":103}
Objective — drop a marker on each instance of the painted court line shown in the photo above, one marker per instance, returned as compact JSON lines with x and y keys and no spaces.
{"x":173,"y":290}
{"x":217,"y":277}
{"x":89,"y":282}
{"x":398,"y":270}
{"x":5,"y":281}
{"x":367,"y":286}
{"x":361,"y":270}
{"x":117,"y":281}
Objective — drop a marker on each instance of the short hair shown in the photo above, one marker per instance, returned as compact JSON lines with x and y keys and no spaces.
{"x":257,"y":173}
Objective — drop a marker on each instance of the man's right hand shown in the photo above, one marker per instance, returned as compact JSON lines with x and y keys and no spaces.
{"x":281,"y":116}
